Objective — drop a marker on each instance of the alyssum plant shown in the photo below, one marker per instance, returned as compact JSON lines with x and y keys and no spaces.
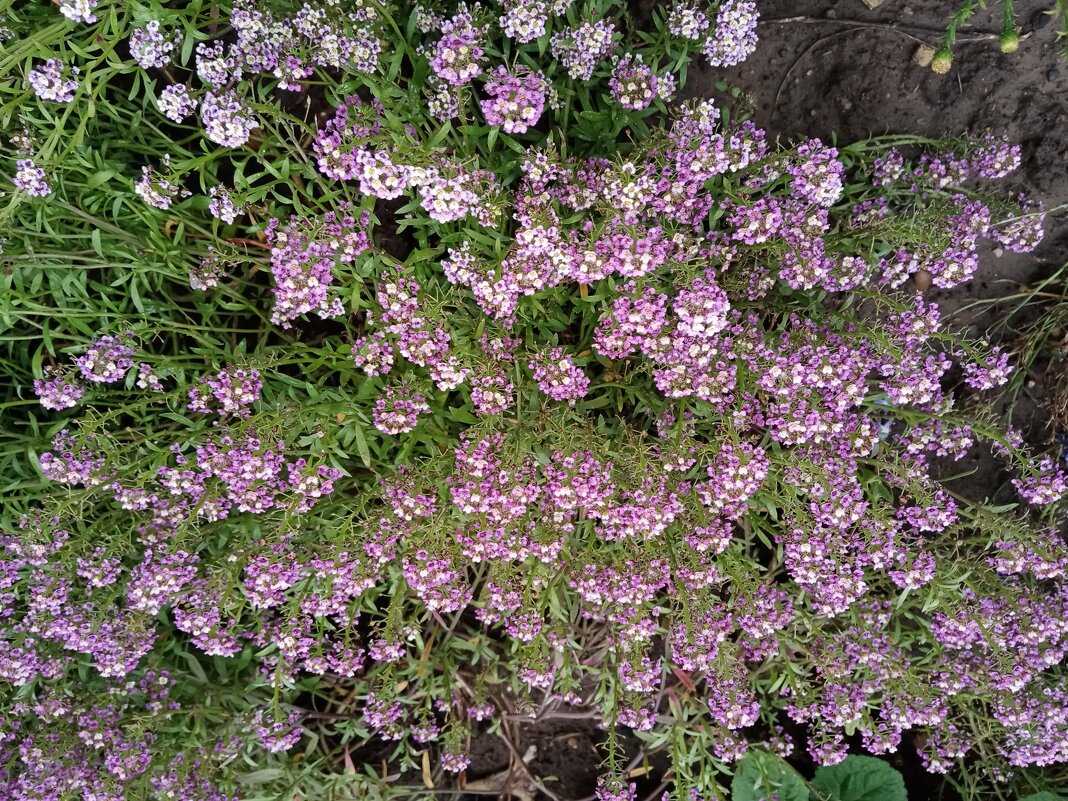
{"x":400,"y":375}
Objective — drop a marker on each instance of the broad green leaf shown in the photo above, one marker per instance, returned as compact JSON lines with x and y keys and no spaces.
{"x":860,"y":778}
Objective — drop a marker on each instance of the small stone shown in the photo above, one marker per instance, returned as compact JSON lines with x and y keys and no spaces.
{"x":872,"y":4}
{"x":924,"y":55}
{"x":922,"y":280}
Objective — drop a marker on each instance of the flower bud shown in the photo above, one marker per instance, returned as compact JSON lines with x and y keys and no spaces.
{"x":1009,"y":42}
{"x":942,"y":61}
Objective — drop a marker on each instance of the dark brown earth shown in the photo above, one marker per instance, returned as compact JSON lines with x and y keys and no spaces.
{"x":835,"y":68}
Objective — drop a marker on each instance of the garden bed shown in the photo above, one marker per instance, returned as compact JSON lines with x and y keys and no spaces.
{"x":448,"y":407}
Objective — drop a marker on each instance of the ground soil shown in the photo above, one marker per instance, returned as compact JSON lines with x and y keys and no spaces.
{"x":835,"y":68}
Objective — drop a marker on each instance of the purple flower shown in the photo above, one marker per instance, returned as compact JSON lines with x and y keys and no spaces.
{"x":31,"y":179}
{"x":453,"y":762}
{"x":524,"y":21}
{"x":78,"y":10}
{"x":228,"y":393}
{"x":214,"y":67}
{"x":734,"y":38}
{"x":992,"y":371}
{"x":615,"y":789}
{"x":687,"y":21}
{"x":49,"y":84}
{"x":226,"y":119}
{"x":303,"y":254}
{"x":158,"y":190}
{"x":278,"y":735}
{"x":633,"y":84}
{"x":152,"y":47}
{"x":58,"y":392}
{"x":397,"y":409}
{"x":452,"y":192}
{"x":581,"y":49}
{"x":514,"y":101}
{"x":374,"y":354}
{"x":1021,"y":234}
{"x":221,"y":206}
{"x":1045,"y":482}
{"x":559,"y":377}
{"x":175,"y":102}
{"x":106,"y":360}
{"x":457,"y":55}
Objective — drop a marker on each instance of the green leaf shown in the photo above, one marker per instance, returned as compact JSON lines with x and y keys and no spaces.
{"x":361,"y":445}
{"x":195,"y":668}
{"x":761,"y":776}
{"x":100,"y":178}
{"x":861,"y":778}
{"x":1044,"y":795}
{"x":262,"y":776}
{"x":462,"y":416}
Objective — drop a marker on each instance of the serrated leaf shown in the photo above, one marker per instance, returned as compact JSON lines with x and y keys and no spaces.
{"x":861,"y":778}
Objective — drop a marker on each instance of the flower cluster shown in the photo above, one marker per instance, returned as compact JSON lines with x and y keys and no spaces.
{"x":559,"y":377}
{"x":634,"y":84}
{"x":151,"y":46}
{"x":106,"y":360}
{"x":222,"y":205}
{"x":79,"y":10}
{"x":687,"y":21}
{"x":176,"y":103}
{"x":397,"y":410}
{"x":514,"y":101}
{"x":458,"y":53}
{"x":304,"y":253}
{"x":48,"y":81}
{"x":582,"y":49}
{"x":734,"y":37}
{"x":227,"y":120}
{"x":58,"y":392}
{"x":159,"y":190}
{"x":31,"y":179}
{"x":228,"y":393}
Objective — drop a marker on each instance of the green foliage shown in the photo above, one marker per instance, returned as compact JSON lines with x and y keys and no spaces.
{"x":761,"y":776}
{"x":860,"y":778}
